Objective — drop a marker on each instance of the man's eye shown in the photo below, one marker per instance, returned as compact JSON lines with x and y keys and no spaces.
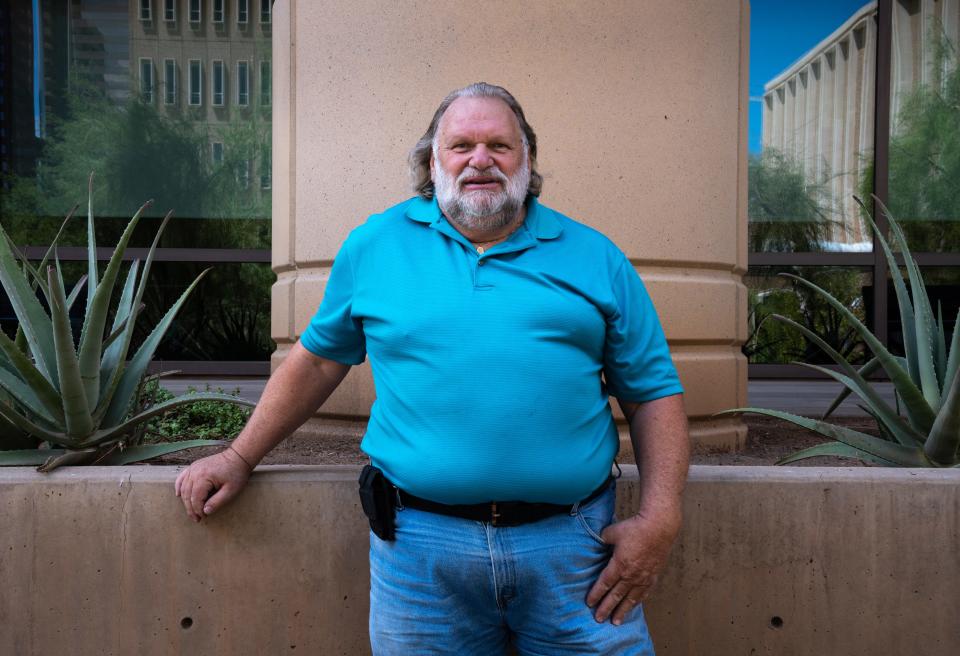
{"x":460,"y":147}
{"x":499,"y":146}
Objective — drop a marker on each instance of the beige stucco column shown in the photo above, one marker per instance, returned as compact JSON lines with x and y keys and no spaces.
{"x":641,"y":113}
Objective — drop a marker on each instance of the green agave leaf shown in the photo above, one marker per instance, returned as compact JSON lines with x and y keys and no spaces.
{"x":864,"y":371}
{"x":36,"y":325}
{"x":24,"y":425}
{"x":940,"y":355}
{"x":835,"y":449}
{"x":146,"y":451}
{"x":907,"y":320}
{"x":22,"y":394}
{"x":106,"y":434}
{"x":91,"y":337}
{"x":93,"y":276}
{"x":75,"y":292}
{"x":920,"y":412}
{"x":112,"y":347}
{"x":929,"y":384}
{"x":923,"y":315}
{"x":953,"y":359}
{"x":944,"y":439}
{"x":83,"y":457}
{"x":904,"y":433}
{"x":123,"y":396}
{"x":28,"y":457}
{"x":115,"y":372}
{"x":38,"y":278}
{"x":79,"y":423}
{"x":39,"y":385}
{"x":896,"y":453}
{"x":884,"y":431}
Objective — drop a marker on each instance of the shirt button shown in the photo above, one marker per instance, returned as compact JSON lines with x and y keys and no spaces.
{"x":481,"y":262}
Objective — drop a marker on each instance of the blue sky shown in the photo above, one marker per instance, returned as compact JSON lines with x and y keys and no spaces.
{"x":780,"y":32}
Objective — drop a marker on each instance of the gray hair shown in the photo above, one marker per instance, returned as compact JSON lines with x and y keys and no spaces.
{"x":420,"y":155}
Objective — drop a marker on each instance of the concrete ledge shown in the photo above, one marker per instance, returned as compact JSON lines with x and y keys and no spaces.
{"x":771,"y":561}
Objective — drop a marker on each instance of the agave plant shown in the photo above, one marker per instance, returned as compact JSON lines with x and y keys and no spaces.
{"x":925,"y":380}
{"x":73,"y":401}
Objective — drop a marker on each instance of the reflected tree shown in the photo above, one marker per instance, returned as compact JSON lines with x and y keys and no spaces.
{"x":786,"y":212}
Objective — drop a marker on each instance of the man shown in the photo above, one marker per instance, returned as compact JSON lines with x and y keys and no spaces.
{"x":496,"y":327}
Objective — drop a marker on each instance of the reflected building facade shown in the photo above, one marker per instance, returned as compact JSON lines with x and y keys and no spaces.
{"x":820,"y":110}
{"x":207,"y":61}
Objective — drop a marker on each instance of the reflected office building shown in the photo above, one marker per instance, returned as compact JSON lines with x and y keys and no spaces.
{"x":206,"y":61}
{"x":820,"y":111}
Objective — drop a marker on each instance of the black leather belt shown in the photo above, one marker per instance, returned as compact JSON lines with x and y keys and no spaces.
{"x":497,"y":513}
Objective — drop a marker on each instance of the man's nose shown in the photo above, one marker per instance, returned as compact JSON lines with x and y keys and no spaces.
{"x":480,"y":157}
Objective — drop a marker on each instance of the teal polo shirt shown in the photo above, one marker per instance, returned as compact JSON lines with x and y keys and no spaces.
{"x":492,"y":371}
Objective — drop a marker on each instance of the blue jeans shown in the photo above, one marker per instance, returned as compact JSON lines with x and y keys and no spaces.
{"x":455,"y":586}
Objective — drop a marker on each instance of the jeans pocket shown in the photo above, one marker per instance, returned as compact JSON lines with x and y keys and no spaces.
{"x":597,"y":515}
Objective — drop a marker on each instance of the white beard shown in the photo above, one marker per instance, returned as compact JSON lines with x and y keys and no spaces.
{"x":481,"y":210}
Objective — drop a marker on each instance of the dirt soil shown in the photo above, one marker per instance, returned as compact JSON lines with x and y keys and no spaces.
{"x":768,"y":440}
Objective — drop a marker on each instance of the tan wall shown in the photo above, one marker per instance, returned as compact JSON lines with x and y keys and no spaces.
{"x":102,"y":561}
{"x":641,"y":114}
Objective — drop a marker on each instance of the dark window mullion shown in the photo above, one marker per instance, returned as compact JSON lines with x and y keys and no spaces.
{"x":881,"y":162}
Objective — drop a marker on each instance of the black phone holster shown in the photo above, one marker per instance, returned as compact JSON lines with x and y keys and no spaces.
{"x":378,"y":498}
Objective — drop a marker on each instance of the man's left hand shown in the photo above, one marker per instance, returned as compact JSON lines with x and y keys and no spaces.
{"x":641,"y":546}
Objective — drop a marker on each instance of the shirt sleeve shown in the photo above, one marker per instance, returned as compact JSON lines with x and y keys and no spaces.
{"x":636,"y":364}
{"x":334,"y":333}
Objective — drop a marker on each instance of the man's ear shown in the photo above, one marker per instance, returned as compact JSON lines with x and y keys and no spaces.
{"x":431,"y":167}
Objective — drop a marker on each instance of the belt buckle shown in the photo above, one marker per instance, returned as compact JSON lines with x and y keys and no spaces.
{"x":494,"y":513}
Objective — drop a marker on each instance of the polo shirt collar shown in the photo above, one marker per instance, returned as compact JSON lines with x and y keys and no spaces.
{"x":540,"y":221}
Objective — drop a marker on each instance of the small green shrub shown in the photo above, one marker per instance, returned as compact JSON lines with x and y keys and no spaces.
{"x":210,"y":420}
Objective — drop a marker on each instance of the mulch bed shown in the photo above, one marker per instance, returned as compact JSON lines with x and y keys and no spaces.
{"x":768,"y":440}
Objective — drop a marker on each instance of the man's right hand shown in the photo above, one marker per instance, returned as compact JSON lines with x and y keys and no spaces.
{"x":224,"y":474}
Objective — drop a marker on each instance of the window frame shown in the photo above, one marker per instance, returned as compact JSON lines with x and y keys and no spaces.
{"x":170,"y":86}
{"x":145,"y":11}
{"x":266,"y":12}
{"x":266,"y":91}
{"x":190,"y":80}
{"x":243,"y":12}
{"x":146,"y":93}
{"x":218,"y":97}
{"x":195,"y":12}
{"x":243,"y":83}
{"x":170,"y":11}
{"x":213,"y":153}
{"x":214,"y":11}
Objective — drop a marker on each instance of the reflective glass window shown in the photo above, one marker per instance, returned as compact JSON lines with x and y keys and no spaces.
{"x":196,"y":82}
{"x":243,"y":83}
{"x":924,"y":166}
{"x":265,"y":84}
{"x":265,"y":10}
{"x":170,"y":81}
{"x":196,"y":11}
{"x":812,"y":71}
{"x":243,"y":11}
{"x":146,"y":80}
{"x":125,"y":95}
{"x":218,"y":84}
{"x":771,"y":341}
{"x":218,"y":11}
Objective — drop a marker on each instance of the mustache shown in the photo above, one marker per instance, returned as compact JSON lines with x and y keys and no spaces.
{"x":489,"y":172}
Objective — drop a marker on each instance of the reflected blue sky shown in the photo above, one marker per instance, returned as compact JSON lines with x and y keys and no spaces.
{"x":780,"y":32}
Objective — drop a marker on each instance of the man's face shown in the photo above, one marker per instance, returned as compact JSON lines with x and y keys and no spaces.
{"x":480,"y":166}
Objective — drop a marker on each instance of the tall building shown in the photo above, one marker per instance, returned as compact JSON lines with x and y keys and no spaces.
{"x":820,"y":110}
